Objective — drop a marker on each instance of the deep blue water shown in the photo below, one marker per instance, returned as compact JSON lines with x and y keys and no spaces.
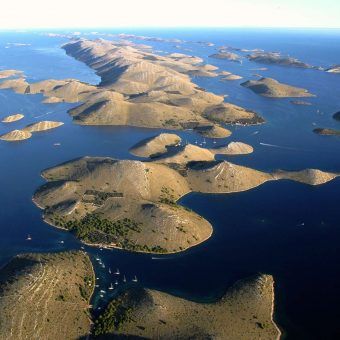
{"x":255,"y":231}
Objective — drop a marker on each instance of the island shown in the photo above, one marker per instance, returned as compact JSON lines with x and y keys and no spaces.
{"x":301,"y":102}
{"x":42,"y":126}
{"x":231,"y":77}
{"x":132,"y":205}
{"x":276,"y":58}
{"x":269,"y":87}
{"x":336,"y":116}
{"x":38,"y":291}
{"x":327,"y":132}
{"x":333,"y":69}
{"x":13,"y":118}
{"x":226,"y":55}
{"x":46,"y":296}
{"x":244,"y":312}
{"x":168,"y":148}
{"x":16,"y":135}
{"x":137,"y":88}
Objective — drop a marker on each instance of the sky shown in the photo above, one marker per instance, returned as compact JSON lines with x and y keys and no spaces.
{"x":19,"y":14}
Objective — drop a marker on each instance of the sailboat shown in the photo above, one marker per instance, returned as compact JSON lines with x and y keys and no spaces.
{"x":116,"y":283}
{"x":124,"y":279}
{"x":135,"y":279}
{"x":29,"y":238}
{"x":111,"y":286}
{"x":117,"y":272}
{"x":109,"y":270}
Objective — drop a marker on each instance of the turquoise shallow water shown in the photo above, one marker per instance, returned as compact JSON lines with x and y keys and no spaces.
{"x":255,"y":231}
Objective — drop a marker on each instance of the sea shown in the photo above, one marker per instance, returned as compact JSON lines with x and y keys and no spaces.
{"x":287,"y":229}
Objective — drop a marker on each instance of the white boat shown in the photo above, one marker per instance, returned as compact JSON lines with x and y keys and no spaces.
{"x":111,"y":286}
{"x":62,"y":242}
{"x":135,"y":279}
{"x":101,"y":295}
{"x":124,"y":279}
{"x":117,"y":272}
{"x":97,"y":286}
{"x":29,"y":238}
{"x":102,"y":291}
{"x":116,"y":283}
{"x":109,"y":270}
{"x":214,"y":141}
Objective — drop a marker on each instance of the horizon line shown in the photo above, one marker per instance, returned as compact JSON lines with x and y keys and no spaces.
{"x":168,"y":27}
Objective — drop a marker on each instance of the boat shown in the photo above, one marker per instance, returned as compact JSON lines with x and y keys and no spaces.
{"x":29,"y":238}
{"x":97,"y":286}
{"x":135,"y":279}
{"x":124,"y":279}
{"x":116,"y":283}
{"x":62,"y":242}
{"x":101,"y":295}
{"x":117,"y":272}
{"x":111,"y":286}
{"x":214,"y":141}
{"x":109,"y":270}
{"x":102,"y":291}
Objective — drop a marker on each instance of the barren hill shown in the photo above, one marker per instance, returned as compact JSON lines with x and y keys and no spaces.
{"x":46,"y":296}
{"x":132,"y":204}
{"x":244,"y":312}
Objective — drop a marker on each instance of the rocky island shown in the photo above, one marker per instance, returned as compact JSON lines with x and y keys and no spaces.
{"x":42,"y":126}
{"x":46,"y":296}
{"x":13,"y":118}
{"x":133,"y":205}
{"x":269,"y":87}
{"x":226,"y":55}
{"x":138,"y":88}
{"x":336,"y":116}
{"x":276,"y":59}
{"x":334,"y":69}
{"x":327,"y":132}
{"x":244,"y":312}
{"x":16,"y":135}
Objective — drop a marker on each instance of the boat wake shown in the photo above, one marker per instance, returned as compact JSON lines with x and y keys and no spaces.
{"x":278,"y":146}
